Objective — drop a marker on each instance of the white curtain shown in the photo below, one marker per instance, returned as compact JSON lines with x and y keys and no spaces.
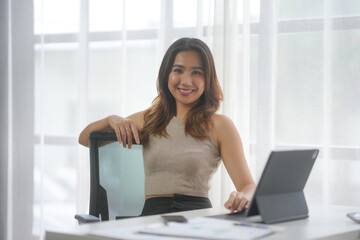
{"x":288,"y":69}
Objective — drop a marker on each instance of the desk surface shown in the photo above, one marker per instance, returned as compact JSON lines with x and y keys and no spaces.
{"x":325,"y":222}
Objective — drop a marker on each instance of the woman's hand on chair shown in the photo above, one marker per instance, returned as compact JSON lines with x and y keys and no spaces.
{"x":125,"y":130}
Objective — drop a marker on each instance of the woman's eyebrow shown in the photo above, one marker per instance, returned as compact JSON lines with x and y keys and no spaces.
{"x":178,"y":65}
{"x":201,"y":68}
{"x":181,"y":66}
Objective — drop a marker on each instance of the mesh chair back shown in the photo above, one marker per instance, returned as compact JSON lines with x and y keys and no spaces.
{"x":117,"y":178}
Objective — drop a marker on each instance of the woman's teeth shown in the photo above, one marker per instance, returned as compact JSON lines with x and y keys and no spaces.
{"x":185,"y":91}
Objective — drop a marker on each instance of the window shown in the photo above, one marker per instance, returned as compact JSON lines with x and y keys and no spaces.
{"x":103,"y":58}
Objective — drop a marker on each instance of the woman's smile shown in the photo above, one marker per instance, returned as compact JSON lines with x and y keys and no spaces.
{"x":187,"y":80}
{"x":185,"y":92}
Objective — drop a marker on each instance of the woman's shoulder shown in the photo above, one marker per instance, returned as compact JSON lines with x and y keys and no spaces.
{"x":221,"y":126}
{"x":220,"y":121}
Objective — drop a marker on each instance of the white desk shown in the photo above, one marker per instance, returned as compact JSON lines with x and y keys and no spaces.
{"x":325,"y":222}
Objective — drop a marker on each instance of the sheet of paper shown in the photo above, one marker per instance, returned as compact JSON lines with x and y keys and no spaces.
{"x":130,"y":233}
{"x":208,"y":228}
{"x":197,"y":228}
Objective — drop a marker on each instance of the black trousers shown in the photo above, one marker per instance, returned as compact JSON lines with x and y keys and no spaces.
{"x":178,"y":203}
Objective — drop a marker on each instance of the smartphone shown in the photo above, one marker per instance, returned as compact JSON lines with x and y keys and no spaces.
{"x":355,"y":216}
{"x":174,"y":218}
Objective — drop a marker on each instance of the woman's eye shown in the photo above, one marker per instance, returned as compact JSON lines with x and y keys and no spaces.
{"x":196,"y":73}
{"x":177,"y":70}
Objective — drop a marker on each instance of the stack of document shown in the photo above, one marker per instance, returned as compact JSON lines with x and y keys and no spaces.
{"x":197,"y":228}
{"x":208,"y":228}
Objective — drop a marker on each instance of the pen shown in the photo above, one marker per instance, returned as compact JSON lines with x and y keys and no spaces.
{"x":251,"y":225}
{"x":262,"y":226}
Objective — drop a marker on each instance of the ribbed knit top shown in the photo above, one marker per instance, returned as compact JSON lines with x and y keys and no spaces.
{"x":178,"y":163}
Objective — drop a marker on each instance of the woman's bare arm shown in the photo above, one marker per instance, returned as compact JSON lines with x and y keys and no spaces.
{"x":230,"y":145}
{"x":125,"y":128}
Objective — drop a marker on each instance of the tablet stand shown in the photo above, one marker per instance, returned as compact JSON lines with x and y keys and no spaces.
{"x":282,"y":207}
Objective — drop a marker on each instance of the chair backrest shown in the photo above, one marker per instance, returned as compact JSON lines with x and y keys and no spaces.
{"x":117,"y":177}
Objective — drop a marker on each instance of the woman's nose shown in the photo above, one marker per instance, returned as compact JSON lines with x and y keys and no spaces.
{"x":186,"y":78}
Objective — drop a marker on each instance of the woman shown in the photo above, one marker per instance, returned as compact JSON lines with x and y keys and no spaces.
{"x":183,"y":138}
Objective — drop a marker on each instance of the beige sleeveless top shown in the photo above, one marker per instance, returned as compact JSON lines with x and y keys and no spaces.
{"x":178,"y":163}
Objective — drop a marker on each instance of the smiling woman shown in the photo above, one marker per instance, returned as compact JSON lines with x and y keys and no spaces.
{"x":183,"y":139}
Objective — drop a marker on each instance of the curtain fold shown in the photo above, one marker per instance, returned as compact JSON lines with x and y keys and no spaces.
{"x":3,"y":165}
{"x":20,"y":122}
{"x":4,"y":154}
{"x":266,"y":82}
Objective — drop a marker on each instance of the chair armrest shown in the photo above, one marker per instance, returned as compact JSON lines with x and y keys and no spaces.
{"x":86,"y":218}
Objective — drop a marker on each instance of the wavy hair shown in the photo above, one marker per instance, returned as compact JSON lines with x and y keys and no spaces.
{"x":163,"y":109}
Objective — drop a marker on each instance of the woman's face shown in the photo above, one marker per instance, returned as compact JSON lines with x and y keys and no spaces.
{"x":187,"y":79}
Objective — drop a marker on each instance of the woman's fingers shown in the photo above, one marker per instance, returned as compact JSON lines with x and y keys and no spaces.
{"x":135,"y":133}
{"x":242,"y":204}
{"x":237,"y":202}
{"x":115,"y":123}
{"x":123,"y":135}
{"x":118,"y":134}
{"x":128,"y":132}
{"x":230,"y":202}
{"x":125,"y":130}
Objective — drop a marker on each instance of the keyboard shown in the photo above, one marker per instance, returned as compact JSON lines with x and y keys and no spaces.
{"x":236,"y":216}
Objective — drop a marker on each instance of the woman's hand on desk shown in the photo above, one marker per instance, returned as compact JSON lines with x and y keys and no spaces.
{"x":239,"y":201}
{"x":125,"y":130}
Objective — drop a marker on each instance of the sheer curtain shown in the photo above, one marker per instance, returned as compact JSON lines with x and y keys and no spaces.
{"x":288,"y":69}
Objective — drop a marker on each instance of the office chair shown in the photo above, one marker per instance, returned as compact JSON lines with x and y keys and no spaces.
{"x":116,"y":179}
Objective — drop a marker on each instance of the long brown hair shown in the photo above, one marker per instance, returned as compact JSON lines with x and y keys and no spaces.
{"x":163,"y":109}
